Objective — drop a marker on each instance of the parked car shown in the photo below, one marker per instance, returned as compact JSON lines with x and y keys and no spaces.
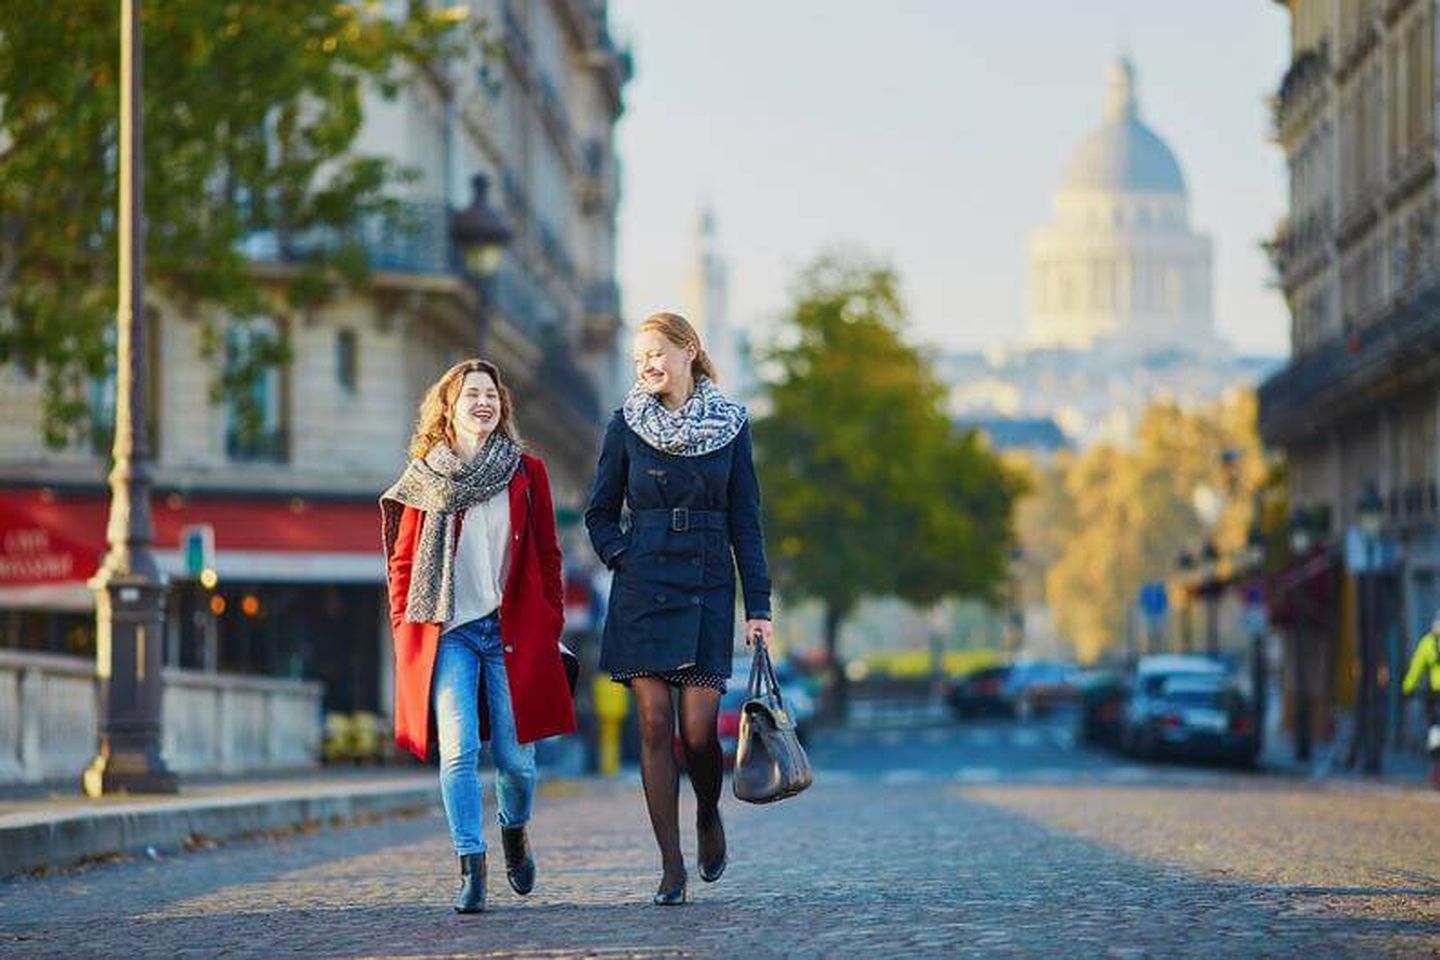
{"x":1102,"y":696}
{"x":1198,"y":715}
{"x":980,"y":694}
{"x":1039,"y":686}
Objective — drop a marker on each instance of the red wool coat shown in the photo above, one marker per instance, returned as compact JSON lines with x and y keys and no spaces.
{"x":532,"y":614}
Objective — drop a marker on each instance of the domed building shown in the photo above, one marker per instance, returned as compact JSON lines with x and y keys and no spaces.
{"x":1119,"y":265}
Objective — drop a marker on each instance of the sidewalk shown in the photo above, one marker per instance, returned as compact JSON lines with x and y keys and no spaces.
{"x":1397,"y":768}
{"x":62,"y":830}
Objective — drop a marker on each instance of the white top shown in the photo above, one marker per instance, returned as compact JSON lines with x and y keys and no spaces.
{"x":482,"y":560}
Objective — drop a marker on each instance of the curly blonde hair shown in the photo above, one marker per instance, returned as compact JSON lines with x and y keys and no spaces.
{"x":679,"y":331}
{"x":432,"y":423}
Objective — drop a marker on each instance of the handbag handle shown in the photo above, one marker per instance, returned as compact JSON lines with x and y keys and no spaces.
{"x":762,"y":672}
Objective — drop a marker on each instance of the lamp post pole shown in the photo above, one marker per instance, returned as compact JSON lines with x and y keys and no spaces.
{"x":1370,"y":517}
{"x":1211,"y":559}
{"x":129,"y":589}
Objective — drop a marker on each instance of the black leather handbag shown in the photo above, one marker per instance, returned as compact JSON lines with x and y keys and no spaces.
{"x":770,"y":764}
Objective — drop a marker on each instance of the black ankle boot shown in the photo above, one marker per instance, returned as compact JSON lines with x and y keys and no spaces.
{"x":713,"y":829}
{"x":471,"y":898}
{"x":519,"y":864}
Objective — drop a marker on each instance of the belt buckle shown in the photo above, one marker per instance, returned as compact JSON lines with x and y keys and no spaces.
{"x":680,"y":519}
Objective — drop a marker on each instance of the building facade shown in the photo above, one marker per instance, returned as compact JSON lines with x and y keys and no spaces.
{"x":1118,"y":264}
{"x":1355,"y":407}
{"x":292,"y":503}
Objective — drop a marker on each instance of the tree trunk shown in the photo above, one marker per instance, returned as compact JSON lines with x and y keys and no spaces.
{"x":837,"y":699}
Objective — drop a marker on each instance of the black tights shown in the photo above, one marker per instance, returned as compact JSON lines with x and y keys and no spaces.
{"x":658,"y":771}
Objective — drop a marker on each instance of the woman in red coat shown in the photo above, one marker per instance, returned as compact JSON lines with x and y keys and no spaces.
{"x":476,"y":611}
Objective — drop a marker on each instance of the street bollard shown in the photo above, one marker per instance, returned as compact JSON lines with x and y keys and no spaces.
{"x":612,"y":703}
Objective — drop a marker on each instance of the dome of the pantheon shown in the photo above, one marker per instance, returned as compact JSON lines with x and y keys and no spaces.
{"x":1123,"y":155}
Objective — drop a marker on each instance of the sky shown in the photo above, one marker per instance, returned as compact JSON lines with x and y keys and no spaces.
{"x":929,"y":135}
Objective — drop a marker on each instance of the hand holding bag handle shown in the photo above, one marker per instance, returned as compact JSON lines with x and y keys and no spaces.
{"x":770,"y":764}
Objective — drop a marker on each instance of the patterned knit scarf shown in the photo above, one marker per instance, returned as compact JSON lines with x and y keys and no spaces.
{"x":707,"y":421}
{"x":443,"y":486}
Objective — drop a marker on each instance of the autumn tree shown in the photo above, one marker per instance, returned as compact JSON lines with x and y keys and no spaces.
{"x":251,"y":113}
{"x":1129,"y":512}
{"x":869,"y":490}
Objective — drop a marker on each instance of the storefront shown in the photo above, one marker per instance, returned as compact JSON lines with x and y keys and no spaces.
{"x":299,"y":590}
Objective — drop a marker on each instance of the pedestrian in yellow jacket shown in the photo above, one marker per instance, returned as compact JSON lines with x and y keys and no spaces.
{"x":1426,"y":660}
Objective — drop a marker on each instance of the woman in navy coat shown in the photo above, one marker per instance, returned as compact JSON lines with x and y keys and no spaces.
{"x":678,"y":455}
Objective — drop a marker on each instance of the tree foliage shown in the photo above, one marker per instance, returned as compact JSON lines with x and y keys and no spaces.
{"x":869,"y":490}
{"x":1122,"y":516}
{"x":251,"y":110}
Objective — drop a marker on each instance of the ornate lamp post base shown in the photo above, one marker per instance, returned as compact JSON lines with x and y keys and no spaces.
{"x":129,"y":758}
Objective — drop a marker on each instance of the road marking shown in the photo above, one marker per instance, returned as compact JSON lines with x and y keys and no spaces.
{"x":977,"y":775}
{"x":1127,"y":774}
{"x":983,"y":738}
{"x":936,"y":736}
{"x":906,"y":776}
{"x":892,"y":738}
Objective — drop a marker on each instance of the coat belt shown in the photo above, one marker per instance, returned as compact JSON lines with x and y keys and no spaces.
{"x":680,"y":519}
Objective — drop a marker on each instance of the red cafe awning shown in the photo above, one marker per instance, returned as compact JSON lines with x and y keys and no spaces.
{"x":50,"y":537}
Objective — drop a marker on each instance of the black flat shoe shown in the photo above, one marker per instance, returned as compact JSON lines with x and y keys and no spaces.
{"x":519,"y":863}
{"x":471,"y":898}
{"x":673,"y":897}
{"x":714,"y":867}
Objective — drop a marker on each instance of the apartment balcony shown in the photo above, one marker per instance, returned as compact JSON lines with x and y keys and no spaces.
{"x":1302,"y":85}
{"x":267,"y":445}
{"x":602,"y":316}
{"x":413,"y":238}
{"x":1301,"y":246}
{"x":567,"y":380}
{"x":1393,"y":350}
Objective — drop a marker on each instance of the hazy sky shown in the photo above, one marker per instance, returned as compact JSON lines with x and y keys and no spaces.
{"x":931,"y":133}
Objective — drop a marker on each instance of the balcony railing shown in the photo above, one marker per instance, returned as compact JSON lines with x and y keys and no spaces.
{"x":257,"y":446}
{"x":414,"y":238}
{"x":1394,"y":344}
{"x":563,"y":376}
{"x":1306,"y":74}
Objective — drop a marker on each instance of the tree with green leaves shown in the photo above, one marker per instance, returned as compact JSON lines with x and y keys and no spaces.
{"x":869,"y":490}
{"x":252,"y":110}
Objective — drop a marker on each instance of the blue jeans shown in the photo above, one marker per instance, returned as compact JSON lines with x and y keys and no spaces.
{"x":469,"y":655}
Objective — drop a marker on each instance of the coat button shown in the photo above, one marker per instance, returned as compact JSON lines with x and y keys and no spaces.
{"x":695,"y":561}
{"x":509,"y":649}
{"x":695,"y":600}
{"x":659,"y":598}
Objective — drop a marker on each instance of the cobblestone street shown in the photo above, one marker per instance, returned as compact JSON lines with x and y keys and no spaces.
{"x":1052,"y":851}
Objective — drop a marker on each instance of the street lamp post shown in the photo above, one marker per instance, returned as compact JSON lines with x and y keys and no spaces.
{"x":1210,"y":560}
{"x":1370,"y":517}
{"x":129,"y":590}
{"x":1255,"y":561}
{"x":480,"y":235}
{"x":1186,"y":564}
{"x":1300,"y":549}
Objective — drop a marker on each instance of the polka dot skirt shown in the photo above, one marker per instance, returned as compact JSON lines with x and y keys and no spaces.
{"x":684,"y":677}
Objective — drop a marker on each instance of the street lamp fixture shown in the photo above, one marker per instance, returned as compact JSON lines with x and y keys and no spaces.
{"x":1300,"y":539}
{"x":1255,"y":549}
{"x":479,"y":232}
{"x":480,"y":235}
{"x":1370,"y":511}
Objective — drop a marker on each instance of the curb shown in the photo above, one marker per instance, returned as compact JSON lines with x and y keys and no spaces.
{"x":87,"y":834}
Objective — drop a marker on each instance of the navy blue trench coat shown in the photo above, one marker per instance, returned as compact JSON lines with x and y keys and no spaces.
{"x":692,"y":521}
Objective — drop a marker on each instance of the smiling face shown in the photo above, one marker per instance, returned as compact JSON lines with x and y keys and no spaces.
{"x":477,"y":408}
{"x":663,"y":367}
